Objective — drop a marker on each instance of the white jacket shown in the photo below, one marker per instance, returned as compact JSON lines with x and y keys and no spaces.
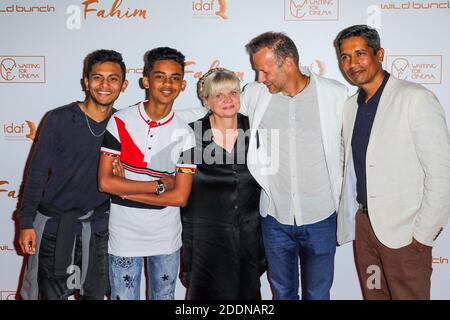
{"x":331,"y":97}
{"x":407,"y":164}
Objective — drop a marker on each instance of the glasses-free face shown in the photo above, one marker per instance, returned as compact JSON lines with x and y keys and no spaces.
{"x":269,"y":71}
{"x":361,"y":65}
{"x":165,"y":82}
{"x":105,"y":83}
{"x":224,"y":103}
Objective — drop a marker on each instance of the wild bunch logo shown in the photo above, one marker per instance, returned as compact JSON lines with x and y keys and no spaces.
{"x":209,"y":9}
{"x":304,"y":10}
{"x":15,"y":8}
{"x":418,"y":68}
{"x":19,"y":131}
{"x":22,"y":69}
{"x":13,"y":194}
{"x":415,"y":5}
{"x":6,"y":248}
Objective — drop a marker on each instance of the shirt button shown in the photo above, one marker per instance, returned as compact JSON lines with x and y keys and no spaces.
{"x":236,"y":207}
{"x":149,"y":148}
{"x":151,"y":136}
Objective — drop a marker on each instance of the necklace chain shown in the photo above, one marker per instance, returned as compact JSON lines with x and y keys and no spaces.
{"x":90,"y":129}
{"x":89,"y":126}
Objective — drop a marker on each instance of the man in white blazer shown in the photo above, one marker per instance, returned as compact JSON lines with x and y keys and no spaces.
{"x":294,"y":154}
{"x":396,"y":150}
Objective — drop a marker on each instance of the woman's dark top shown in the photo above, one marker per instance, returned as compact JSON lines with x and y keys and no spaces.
{"x":223,"y":254}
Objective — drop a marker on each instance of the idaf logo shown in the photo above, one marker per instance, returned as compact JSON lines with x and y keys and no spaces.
{"x":209,"y":9}
{"x":305,"y":10}
{"x":22,"y":69}
{"x":426,"y":69}
{"x":19,"y":131}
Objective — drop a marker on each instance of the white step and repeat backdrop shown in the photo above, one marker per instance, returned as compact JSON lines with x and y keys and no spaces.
{"x":43,"y":43}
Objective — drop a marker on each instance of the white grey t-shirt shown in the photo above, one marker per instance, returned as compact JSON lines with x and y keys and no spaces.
{"x":300,"y":189}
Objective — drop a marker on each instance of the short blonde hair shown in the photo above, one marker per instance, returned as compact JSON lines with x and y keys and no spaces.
{"x":215,"y":80}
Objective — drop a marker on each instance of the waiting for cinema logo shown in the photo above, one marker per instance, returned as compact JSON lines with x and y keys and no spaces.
{"x":210,"y":9}
{"x":8,"y":295}
{"x":426,"y":69}
{"x":304,"y":10}
{"x":22,"y":69}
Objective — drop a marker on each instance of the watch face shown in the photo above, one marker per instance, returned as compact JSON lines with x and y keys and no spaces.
{"x":160,"y":189}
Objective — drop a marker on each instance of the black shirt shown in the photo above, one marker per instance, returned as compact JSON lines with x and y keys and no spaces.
{"x":63,"y":167}
{"x":361,"y":134}
{"x":223,"y":253}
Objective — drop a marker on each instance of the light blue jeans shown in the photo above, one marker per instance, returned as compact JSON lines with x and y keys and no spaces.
{"x":125,"y":276}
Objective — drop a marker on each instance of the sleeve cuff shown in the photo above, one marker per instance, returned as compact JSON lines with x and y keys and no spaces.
{"x":26,"y":223}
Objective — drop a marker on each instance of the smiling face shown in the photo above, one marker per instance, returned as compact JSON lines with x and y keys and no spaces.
{"x":361,"y":65}
{"x":225,"y":102}
{"x":104,"y":84}
{"x":165,"y":82}
{"x":269,"y":71}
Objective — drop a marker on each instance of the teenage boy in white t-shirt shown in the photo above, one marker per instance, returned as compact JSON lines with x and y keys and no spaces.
{"x":149,"y":139}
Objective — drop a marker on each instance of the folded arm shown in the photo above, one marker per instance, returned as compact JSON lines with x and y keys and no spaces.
{"x":176,"y":197}
{"x":118,"y":185}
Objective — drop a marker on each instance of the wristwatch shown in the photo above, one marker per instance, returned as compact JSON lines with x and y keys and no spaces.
{"x":160,"y":188}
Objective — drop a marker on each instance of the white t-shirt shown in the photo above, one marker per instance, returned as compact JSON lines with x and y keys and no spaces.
{"x":148,"y":151}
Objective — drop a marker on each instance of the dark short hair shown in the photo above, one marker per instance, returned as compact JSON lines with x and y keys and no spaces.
{"x":361,"y":30}
{"x":162,"y":53}
{"x":100,"y":56}
{"x":281,"y":45}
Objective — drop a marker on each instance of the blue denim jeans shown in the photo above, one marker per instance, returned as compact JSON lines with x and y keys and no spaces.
{"x":125,"y":276}
{"x":314,"y":244}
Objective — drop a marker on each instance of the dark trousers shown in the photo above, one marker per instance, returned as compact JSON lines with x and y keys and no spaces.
{"x":390,"y":274}
{"x":53,"y":287}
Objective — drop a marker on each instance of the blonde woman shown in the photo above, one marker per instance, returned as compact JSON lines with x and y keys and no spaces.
{"x":223,"y":254}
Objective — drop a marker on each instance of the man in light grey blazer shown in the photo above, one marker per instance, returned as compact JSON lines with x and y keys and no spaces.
{"x":396,"y":153}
